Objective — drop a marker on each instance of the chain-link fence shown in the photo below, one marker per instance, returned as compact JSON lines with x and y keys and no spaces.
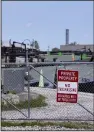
{"x":29,"y":92}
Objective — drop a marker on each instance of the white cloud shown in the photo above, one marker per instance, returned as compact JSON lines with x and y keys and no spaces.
{"x":28,"y":24}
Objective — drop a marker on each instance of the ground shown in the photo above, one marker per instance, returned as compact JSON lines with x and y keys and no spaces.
{"x":56,"y":110}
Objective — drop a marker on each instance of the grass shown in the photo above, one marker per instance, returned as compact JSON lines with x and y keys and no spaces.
{"x":38,"y":102}
{"x":77,"y":125}
{"x":12,"y":92}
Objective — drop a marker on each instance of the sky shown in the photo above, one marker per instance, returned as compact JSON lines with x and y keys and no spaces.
{"x":47,"y":21}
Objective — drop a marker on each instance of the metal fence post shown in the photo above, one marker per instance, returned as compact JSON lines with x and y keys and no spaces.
{"x":27,"y":67}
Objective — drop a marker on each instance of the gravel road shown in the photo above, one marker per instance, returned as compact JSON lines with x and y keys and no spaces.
{"x":38,"y":128}
{"x":56,"y":110}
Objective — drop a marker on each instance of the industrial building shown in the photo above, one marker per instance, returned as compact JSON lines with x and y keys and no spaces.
{"x":73,"y":46}
{"x":78,"y":47}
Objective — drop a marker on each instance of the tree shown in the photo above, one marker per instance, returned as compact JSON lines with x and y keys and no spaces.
{"x":32,"y":44}
{"x":73,"y":43}
{"x":55,"y":49}
{"x":35,"y":44}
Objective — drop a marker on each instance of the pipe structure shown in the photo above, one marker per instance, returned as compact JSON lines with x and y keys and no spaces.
{"x":25,"y":46}
{"x":14,"y":42}
{"x":51,"y":52}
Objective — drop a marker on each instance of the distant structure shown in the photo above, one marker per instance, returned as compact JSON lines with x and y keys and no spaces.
{"x":78,"y":47}
{"x":12,"y":58}
{"x":67,"y":37}
{"x":74,"y":46}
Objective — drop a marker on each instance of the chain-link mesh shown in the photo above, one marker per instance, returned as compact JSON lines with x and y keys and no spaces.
{"x":40,"y":79}
{"x":13,"y":96}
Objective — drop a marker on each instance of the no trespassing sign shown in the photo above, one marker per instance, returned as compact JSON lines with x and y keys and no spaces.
{"x":67,"y":82}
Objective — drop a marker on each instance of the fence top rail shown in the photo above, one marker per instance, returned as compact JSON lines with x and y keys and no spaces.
{"x":44,"y":63}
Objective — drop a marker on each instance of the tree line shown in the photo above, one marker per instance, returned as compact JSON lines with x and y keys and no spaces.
{"x":35,"y":44}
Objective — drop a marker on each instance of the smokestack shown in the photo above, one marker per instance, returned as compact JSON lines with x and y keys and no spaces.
{"x":67,"y":36}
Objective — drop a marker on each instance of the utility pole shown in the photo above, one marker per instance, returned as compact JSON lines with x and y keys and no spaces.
{"x":48,"y":49}
{"x":10,"y":42}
